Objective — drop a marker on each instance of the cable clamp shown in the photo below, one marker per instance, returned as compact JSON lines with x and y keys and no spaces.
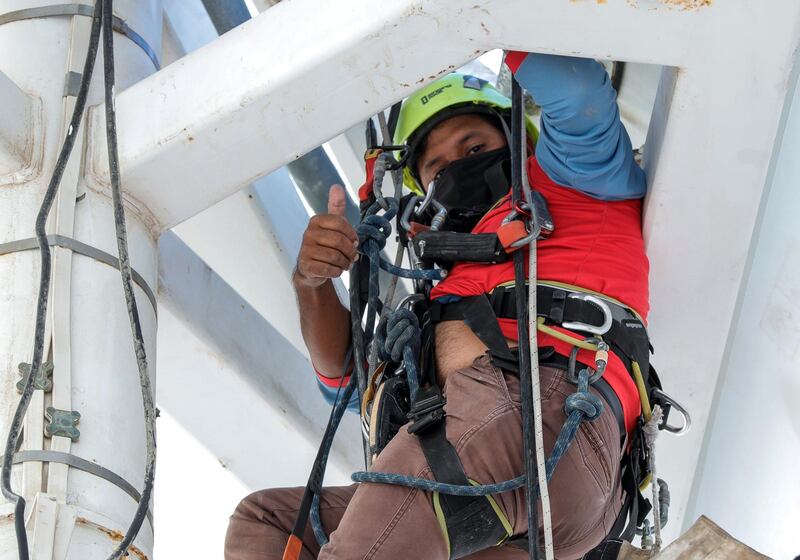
{"x":62,"y":423}
{"x":44,"y":378}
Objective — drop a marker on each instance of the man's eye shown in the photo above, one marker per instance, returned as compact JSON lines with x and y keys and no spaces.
{"x":475,"y":149}
{"x":438,"y":174}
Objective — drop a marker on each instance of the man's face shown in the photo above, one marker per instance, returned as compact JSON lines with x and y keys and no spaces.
{"x":457,"y":137}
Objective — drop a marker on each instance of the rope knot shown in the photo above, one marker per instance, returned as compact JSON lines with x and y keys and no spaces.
{"x":588,"y":404}
{"x":372,"y":233}
{"x":399,"y":330}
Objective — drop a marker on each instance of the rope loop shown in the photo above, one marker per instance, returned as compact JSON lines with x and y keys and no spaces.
{"x":586,"y":403}
{"x":372,"y":234}
{"x":398,"y":330}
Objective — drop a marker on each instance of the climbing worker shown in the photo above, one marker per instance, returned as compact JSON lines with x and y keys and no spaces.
{"x":592,"y":278}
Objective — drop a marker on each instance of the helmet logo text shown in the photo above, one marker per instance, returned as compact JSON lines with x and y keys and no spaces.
{"x":434,"y":93}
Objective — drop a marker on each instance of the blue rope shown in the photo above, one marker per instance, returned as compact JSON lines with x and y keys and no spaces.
{"x":581,"y":405}
{"x":441,"y":487}
{"x":339,"y":408}
{"x":316,"y":522}
{"x":398,"y":339}
{"x":373,"y":231}
{"x":403,"y":330}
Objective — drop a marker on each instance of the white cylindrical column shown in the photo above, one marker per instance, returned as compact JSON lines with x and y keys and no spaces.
{"x":71,"y":513}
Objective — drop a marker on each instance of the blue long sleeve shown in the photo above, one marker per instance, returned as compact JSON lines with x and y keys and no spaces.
{"x":582,"y":142}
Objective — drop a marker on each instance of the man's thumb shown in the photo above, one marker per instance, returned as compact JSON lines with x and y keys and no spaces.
{"x":337,"y":200}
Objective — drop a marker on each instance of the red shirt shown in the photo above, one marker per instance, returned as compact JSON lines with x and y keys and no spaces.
{"x":596,"y":245}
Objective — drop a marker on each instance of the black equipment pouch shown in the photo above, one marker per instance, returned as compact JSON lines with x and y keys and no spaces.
{"x":450,"y":246}
{"x":389,"y":412}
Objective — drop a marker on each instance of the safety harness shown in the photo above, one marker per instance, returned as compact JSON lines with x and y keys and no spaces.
{"x":401,"y":390}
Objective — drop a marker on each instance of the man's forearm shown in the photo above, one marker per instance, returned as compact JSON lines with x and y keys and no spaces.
{"x":325,"y":325}
{"x":582,"y":143}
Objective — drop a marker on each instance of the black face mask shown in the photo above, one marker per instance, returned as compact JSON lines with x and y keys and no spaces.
{"x":470,"y":186}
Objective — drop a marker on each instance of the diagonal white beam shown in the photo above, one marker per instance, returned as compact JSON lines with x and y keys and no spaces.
{"x":306,"y":70}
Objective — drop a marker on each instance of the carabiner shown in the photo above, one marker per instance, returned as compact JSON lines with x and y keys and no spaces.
{"x":521,"y":209}
{"x":409,"y":301}
{"x":600,"y":361}
{"x":660,"y":396}
{"x":405,"y":219}
{"x":594,"y":329}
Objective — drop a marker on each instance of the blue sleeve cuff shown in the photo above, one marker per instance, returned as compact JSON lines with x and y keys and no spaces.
{"x":329,"y":394}
{"x":582,"y":142}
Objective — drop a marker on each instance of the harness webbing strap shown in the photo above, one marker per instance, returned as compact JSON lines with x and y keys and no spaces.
{"x":627,"y":335}
{"x":471,"y":522}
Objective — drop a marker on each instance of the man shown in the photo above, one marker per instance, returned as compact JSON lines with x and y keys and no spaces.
{"x":584,"y":169}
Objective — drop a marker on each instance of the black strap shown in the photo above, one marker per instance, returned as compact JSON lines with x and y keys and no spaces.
{"x":477,"y":313}
{"x":627,"y":335}
{"x":472,"y":524}
{"x":606,"y":550}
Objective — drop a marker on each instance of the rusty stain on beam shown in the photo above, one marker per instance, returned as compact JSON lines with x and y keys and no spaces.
{"x":115,"y":536}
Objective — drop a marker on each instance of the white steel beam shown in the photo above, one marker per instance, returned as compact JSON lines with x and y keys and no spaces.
{"x":304,"y":71}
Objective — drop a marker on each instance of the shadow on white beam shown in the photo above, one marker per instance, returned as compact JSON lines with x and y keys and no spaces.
{"x":20,"y":133}
{"x":270,"y":365}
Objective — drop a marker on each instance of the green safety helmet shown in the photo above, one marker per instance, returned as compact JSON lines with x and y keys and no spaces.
{"x":454,"y":94}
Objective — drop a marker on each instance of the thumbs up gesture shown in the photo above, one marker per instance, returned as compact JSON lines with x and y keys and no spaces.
{"x":329,"y":244}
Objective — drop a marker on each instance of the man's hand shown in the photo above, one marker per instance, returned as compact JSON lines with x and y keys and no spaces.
{"x":329,"y":244}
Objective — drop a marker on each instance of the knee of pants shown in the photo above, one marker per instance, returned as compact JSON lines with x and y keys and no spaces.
{"x":249,"y":507}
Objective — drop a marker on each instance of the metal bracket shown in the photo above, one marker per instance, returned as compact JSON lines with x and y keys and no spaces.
{"x":49,"y":456}
{"x":82,"y":249}
{"x":62,"y":423}
{"x":72,"y":84}
{"x":85,"y":10}
{"x":43,"y":381}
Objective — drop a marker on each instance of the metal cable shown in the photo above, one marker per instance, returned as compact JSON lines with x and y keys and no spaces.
{"x":533,"y":346}
{"x":44,"y":284}
{"x":127,"y":285}
{"x":528,"y":443}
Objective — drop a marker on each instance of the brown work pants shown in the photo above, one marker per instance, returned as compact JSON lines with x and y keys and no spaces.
{"x":378,"y":521}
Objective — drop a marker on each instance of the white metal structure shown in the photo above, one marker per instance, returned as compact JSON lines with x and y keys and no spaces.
{"x":72,"y":514}
{"x":214,"y":121}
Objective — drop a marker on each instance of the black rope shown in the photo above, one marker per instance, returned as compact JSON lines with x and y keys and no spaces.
{"x":529,"y":447}
{"x":309,"y":505}
{"x":44,"y":284}
{"x":127,"y":286}
{"x":394,"y":116}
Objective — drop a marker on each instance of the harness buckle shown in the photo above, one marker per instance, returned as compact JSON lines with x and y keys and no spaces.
{"x":667,"y":404}
{"x":427,"y":410}
{"x":608,"y":319}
